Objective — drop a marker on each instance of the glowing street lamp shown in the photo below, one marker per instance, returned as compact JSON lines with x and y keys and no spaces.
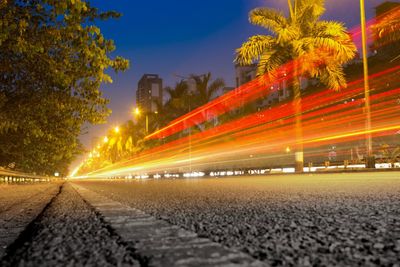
{"x":137,"y":112}
{"x":116,"y":129}
{"x":105,"y":140}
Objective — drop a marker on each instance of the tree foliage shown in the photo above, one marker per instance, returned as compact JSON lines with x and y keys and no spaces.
{"x":53,"y":60}
{"x":177,"y":103}
{"x":129,"y":141}
{"x":313,"y":48}
{"x":320,"y":46}
{"x":206,"y":89}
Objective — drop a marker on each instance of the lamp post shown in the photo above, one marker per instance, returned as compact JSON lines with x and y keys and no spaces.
{"x":137,"y":113}
{"x":370,"y":159}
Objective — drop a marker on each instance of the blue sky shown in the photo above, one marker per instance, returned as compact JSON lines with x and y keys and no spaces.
{"x":185,"y":37}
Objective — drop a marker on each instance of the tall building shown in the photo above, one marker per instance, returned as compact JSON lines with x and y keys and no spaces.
{"x":150,"y":90}
{"x":245,"y":74}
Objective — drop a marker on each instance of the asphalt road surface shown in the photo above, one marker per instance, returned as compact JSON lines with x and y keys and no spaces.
{"x":324,"y":219}
{"x":350,"y":219}
{"x":20,"y":204}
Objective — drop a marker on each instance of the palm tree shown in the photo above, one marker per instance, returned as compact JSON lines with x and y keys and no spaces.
{"x":387,"y":28}
{"x":177,"y":104}
{"x":317,"y":49}
{"x":205,"y":89}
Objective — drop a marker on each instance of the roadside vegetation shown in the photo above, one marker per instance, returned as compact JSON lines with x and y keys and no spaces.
{"x":53,"y":60}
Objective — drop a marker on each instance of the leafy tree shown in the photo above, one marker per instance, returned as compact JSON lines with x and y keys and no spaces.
{"x":52,"y":62}
{"x":317,"y":49}
{"x":177,"y":103}
{"x":206,"y":88}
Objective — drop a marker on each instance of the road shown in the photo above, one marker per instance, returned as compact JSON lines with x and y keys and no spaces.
{"x":343,"y":219}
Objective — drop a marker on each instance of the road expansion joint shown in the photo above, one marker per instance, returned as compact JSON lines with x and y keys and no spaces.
{"x":156,"y":242}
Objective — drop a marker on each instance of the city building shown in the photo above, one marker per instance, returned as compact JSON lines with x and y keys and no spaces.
{"x":279,"y":90}
{"x":149,"y":91}
{"x":245,"y":74}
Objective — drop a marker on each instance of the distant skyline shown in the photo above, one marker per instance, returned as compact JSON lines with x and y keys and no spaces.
{"x":183,"y":38}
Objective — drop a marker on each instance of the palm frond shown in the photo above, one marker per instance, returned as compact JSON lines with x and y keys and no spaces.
{"x":269,"y":63}
{"x":251,"y":50}
{"x":181,"y":88}
{"x":329,"y":29}
{"x":342,"y":50}
{"x":288,"y":34}
{"x":311,"y":63}
{"x":268,"y":18}
{"x":319,"y":48}
{"x":333,"y":76}
{"x":309,"y":11}
{"x":215,"y":86}
{"x":201,"y":81}
{"x":300,"y":48}
{"x":170,"y":91}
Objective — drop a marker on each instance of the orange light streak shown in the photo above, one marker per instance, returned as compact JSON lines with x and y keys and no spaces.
{"x":267,"y":134}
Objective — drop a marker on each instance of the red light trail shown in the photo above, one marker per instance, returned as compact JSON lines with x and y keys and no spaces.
{"x":267,"y":137}
{"x":328,"y":118}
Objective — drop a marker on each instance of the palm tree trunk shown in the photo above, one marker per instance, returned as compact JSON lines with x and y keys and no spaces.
{"x":299,"y":154}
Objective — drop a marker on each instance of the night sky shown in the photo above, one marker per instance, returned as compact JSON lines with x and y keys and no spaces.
{"x":186,"y":37}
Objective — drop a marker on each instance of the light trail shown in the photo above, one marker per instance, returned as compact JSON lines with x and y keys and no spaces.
{"x":327,"y":117}
{"x":396,"y":127}
{"x":261,"y":87}
{"x":262,"y":138}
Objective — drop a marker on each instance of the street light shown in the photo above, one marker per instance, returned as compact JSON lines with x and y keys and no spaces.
{"x":105,"y":140}
{"x":370,"y":160}
{"x":137,"y":113}
{"x":116,"y":129}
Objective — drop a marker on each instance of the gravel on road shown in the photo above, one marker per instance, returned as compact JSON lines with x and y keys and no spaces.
{"x":13,"y":194}
{"x":19,"y":205}
{"x":69,"y":233}
{"x":329,"y":219}
{"x":158,"y":243}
